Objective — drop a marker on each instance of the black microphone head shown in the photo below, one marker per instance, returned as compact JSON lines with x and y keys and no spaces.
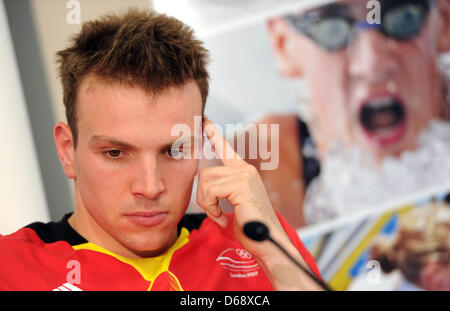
{"x":256,"y":231}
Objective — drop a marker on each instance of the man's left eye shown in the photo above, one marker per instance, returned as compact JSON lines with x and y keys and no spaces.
{"x":174,"y":153}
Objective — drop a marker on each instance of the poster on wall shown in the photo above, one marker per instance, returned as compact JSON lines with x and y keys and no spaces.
{"x":358,"y":127}
{"x":401,"y":247}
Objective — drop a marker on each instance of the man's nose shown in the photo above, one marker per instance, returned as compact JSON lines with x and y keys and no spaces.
{"x":371,"y":57}
{"x":148,"y":181}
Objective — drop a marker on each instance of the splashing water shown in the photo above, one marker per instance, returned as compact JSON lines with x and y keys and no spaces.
{"x":349,"y":180}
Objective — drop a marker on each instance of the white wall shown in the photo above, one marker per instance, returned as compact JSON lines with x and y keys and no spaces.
{"x":22,"y":198}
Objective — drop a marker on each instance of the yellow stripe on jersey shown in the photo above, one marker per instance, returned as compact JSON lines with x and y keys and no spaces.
{"x":149,"y":268}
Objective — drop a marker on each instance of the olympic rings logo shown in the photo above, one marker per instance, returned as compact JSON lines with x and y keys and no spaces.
{"x":243,"y":253}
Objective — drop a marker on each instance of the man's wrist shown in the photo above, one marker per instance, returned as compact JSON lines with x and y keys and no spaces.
{"x":282,"y":272}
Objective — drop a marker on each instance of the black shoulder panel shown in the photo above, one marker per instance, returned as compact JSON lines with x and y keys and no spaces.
{"x":191,"y":221}
{"x":57,"y":231}
{"x":62,"y":231}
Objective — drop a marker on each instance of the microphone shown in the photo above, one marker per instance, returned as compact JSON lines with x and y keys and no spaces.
{"x":256,"y":231}
{"x":259,"y":232}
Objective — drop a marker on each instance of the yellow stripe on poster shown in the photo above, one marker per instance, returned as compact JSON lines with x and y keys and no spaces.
{"x":341,"y":280}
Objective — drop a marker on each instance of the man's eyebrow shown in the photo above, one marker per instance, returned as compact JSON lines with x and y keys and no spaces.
{"x":113,"y":141}
{"x":182,"y":139}
{"x":110,"y":140}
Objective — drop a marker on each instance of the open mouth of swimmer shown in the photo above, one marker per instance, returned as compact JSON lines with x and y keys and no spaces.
{"x":383,"y":118}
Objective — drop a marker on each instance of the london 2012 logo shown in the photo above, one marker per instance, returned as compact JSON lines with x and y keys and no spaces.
{"x":239,"y":262}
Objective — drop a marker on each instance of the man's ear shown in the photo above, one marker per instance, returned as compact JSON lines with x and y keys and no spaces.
{"x":65,"y":148}
{"x":279,"y":32}
{"x":443,"y":39}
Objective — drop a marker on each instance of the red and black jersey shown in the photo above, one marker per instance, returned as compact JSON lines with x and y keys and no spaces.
{"x":53,"y":256}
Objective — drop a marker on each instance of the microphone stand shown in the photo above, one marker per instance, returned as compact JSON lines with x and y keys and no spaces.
{"x":311,"y":275}
{"x":258,"y":231}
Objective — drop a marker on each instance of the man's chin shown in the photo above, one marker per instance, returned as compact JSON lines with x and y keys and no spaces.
{"x":151,"y":243}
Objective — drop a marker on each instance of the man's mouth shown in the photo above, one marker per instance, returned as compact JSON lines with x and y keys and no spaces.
{"x":147,"y":219}
{"x":383,"y":119}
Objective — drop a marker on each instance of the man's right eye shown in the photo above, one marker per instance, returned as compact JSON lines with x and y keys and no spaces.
{"x":113,"y":154}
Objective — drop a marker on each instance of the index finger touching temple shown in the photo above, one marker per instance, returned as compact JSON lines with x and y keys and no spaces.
{"x":223,"y":149}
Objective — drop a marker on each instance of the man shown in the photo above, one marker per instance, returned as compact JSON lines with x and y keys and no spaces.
{"x":127,"y":81}
{"x":372,"y":89}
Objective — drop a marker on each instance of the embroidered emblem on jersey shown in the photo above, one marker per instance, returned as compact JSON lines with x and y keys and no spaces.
{"x":239,"y":262}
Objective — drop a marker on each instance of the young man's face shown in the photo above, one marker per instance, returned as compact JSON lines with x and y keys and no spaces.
{"x":377,"y":92}
{"x":129,"y":188}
